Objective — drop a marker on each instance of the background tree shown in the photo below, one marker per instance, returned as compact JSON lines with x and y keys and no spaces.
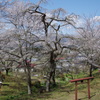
{"x":88,"y":42}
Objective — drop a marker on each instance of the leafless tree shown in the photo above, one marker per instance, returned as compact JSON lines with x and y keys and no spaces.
{"x":30,"y":25}
{"x":88,"y":42}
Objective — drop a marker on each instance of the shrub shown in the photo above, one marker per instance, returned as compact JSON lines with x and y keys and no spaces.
{"x":36,"y":83}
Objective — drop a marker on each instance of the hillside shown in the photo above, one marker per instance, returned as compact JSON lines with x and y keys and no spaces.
{"x":17,"y":90}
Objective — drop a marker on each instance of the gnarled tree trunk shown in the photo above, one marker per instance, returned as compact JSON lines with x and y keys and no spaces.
{"x":90,"y":71}
{"x":7,"y":71}
{"x":29,"y":80}
{"x":51,"y":74}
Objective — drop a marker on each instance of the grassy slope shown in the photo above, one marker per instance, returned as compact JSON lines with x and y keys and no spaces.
{"x":17,"y":90}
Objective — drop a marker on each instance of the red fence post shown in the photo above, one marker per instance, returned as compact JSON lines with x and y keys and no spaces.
{"x":88,"y":88}
{"x":75,"y":90}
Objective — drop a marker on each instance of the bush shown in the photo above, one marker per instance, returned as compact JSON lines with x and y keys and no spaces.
{"x":13,"y":97}
{"x":36,"y":83}
{"x":2,"y":77}
{"x":65,"y":77}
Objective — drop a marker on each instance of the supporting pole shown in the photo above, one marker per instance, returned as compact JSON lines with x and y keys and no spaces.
{"x":0,"y":86}
{"x":75,"y":90}
{"x":88,"y":88}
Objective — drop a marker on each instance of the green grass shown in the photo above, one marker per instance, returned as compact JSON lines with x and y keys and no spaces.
{"x":17,"y":90}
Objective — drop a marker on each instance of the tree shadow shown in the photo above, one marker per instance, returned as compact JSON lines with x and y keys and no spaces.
{"x":44,"y":95}
{"x":66,"y":89}
{"x":86,"y":98}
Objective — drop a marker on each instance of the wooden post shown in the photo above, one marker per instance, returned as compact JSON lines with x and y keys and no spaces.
{"x":0,"y":84}
{"x":88,"y":88}
{"x":75,"y":90}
